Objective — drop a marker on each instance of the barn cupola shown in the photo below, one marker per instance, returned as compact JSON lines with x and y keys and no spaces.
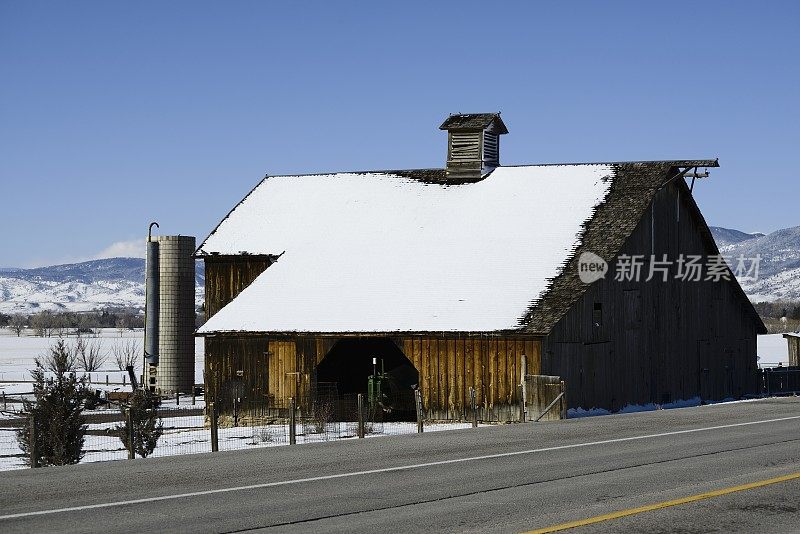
{"x":473,"y":144}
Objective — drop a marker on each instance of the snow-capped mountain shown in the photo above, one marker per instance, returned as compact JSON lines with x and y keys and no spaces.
{"x":779,"y":267}
{"x":90,"y":285}
{"x":726,"y":236}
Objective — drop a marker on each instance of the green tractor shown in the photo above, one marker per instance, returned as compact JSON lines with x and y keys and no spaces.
{"x":378,"y":388}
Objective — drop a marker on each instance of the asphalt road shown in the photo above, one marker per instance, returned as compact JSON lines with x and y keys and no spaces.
{"x":508,"y":478}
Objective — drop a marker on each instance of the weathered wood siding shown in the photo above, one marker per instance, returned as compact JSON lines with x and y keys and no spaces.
{"x":236,"y":367}
{"x":794,"y":350}
{"x":227,"y":276}
{"x":278,"y":368}
{"x":449,"y":366}
{"x":542,"y":392}
{"x":275,"y":368}
{"x":656,"y":341}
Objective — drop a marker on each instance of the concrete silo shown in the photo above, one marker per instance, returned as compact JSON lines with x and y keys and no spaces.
{"x":170,"y":314}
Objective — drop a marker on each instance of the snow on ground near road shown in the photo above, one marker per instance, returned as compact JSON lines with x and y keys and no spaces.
{"x":380,"y":252}
{"x":633,"y":408}
{"x":17,"y":355}
{"x":574,"y":413}
{"x":185,"y":435}
{"x":772,"y":350}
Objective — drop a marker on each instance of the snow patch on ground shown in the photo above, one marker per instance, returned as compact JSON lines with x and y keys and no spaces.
{"x":573,"y":413}
{"x":633,"y":408}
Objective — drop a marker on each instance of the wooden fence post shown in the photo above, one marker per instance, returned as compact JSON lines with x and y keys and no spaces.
{"x":563,"y":401}
{"x":360,"y":415}
{"x":292,"y":422}
{"x":418,"y":403}
{"x":32,"y":439}
{"x":212,"y":410}
{"x":131,"y":436}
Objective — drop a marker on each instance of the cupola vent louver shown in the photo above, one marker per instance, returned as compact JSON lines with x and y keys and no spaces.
{"x":473,"y":144}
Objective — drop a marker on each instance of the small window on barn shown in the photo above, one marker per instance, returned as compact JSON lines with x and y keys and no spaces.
{"x":597,"y":314}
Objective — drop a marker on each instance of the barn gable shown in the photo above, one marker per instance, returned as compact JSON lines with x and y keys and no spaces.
{"x":634,"y":341}
{"x":631,"y":194}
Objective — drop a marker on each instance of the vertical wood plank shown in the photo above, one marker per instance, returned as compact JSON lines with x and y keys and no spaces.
{"x":274,"y":385}
{"x":451,"y":376}
{"x":492,"y":365}
{"x":485,"y":372}
{"x":502,"y":374}
{"x":427,"y":366}
{"x":281,"y":390}
{"x":443,"y":374}
{"x":469,"y":365}
{"x":460,"y":374}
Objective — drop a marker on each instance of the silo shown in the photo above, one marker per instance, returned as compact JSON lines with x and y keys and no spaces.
{"x":176,"y":314}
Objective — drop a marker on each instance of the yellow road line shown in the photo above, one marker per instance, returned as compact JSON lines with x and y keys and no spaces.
{"x":665,"y":504}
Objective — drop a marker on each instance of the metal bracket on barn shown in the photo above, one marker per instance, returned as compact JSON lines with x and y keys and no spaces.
{"x":696,"y":175}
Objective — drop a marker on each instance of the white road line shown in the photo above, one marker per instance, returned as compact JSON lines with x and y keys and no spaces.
{"x":382,"y":470}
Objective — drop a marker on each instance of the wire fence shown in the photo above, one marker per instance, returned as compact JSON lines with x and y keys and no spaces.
{"x":187,"y":429}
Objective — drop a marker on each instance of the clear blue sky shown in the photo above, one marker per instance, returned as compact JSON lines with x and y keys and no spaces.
{"x":113,"y":114}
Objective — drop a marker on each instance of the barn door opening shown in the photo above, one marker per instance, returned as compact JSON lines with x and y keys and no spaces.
{"x":348,"y":366}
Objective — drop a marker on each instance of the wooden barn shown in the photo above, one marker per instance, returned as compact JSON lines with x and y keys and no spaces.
{"x":456,"y":278}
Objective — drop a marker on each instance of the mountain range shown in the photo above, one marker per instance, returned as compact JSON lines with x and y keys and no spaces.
{"x":80,"y":287}
{"x":119,"y":282}
{"x":779,"y":267}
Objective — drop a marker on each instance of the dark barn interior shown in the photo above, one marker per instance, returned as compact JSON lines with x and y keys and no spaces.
{"x":349,"y":364}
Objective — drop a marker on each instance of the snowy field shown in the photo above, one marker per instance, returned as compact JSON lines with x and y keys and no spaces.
{"x":186,"y":435}
{"x":17,"y":355}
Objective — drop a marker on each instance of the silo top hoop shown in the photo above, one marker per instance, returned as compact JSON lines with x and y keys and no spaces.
{"x":150,"y":230}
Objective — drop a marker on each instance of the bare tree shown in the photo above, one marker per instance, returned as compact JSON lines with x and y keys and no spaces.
{"x":62,"y":324}
{"x":17,"y":323}
{"x":43,"y":323}
{"x":86,"y":325}
{"x":126,"y":353}
{"x":89,"y":354}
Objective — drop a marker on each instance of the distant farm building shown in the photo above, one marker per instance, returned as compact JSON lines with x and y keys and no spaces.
{"x":452,"y":277}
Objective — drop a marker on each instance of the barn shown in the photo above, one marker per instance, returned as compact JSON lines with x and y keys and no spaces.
{"x":464,"y":277}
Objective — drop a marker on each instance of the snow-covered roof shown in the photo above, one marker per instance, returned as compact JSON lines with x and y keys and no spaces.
{"x":381,"y":252}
